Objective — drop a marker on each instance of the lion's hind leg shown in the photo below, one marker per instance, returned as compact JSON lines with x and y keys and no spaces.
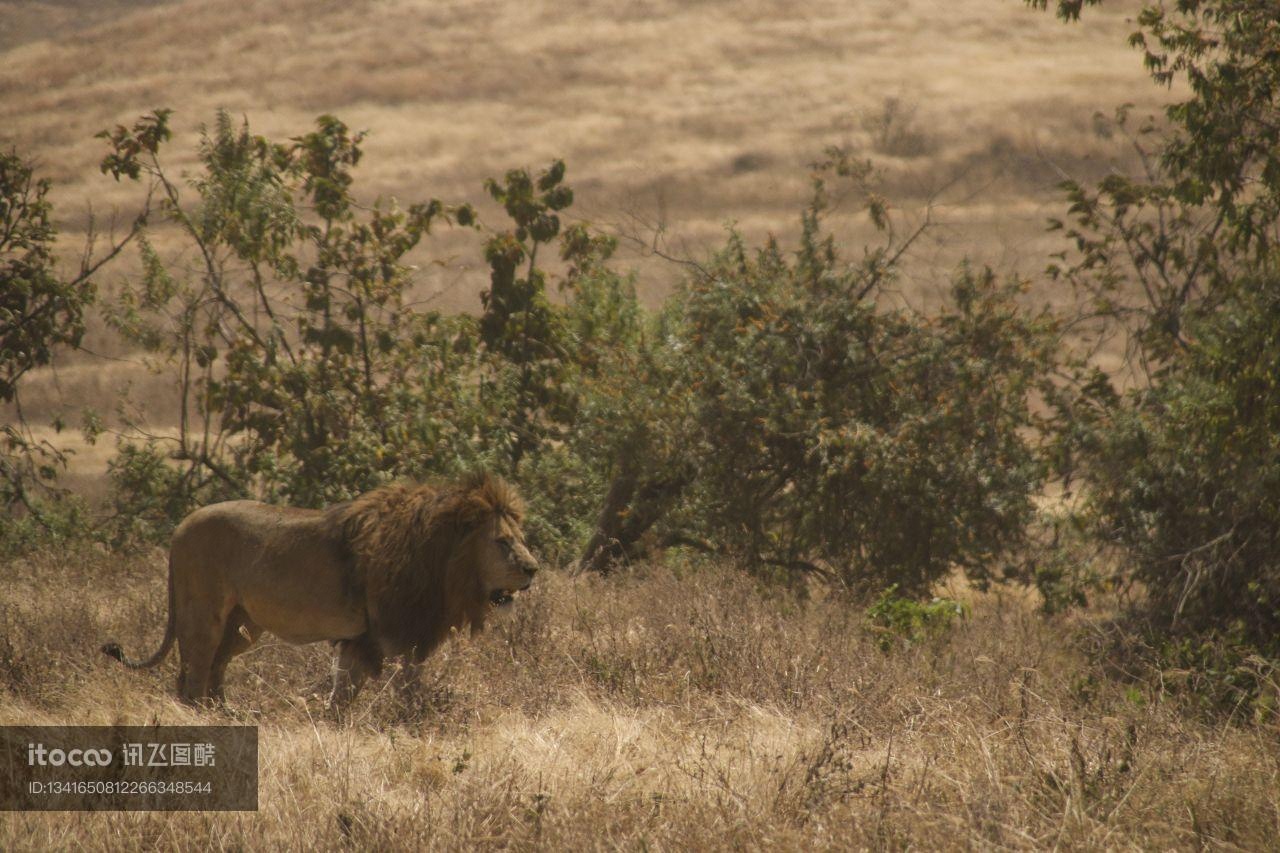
{"x":203,"y":602}
{"x":239,"y":635}
{"x":198,"y":647}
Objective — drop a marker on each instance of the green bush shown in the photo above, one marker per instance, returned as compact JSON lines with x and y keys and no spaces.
{"x":781,"y":411}
{"x":56,"y":523}
{"x":883,"y":444}
{"x":305,"y":374}
{"x":39,"y":311}
{"x":833,"y":433}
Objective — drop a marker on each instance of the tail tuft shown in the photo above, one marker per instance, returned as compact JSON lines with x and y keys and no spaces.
{"x":113,"y":650}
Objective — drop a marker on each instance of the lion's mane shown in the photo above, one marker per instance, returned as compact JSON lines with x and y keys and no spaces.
{"x":404,"y":540}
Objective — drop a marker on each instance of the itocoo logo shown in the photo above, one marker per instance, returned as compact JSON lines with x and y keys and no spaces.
{"x":38,"y":755}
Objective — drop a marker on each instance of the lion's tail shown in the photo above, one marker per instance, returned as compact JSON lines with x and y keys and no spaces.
{"x":114,"y":650}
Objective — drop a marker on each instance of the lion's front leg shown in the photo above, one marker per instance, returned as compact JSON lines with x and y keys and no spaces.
{"x":356,"y":661}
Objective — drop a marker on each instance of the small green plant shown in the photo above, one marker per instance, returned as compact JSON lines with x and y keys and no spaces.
{"x":897,"y":619}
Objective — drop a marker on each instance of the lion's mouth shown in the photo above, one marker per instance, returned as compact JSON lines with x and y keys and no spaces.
{"x":501,"y":597}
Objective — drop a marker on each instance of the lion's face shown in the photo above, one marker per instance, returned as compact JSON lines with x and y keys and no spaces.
{"x":504,"y":563}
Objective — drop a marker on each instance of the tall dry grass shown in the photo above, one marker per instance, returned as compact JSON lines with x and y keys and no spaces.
{"x":672,"y":708}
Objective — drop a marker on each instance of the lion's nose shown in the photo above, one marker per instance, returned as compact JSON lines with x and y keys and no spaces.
{"x":530,"y":569}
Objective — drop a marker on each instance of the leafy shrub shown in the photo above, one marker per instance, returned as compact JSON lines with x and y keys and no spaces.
{"x":882,"y":444}
{"x":39,"y":311}
{"x":830,"y":433}
{"x":149,"y":495}
{"x":55,"y":522}
{"x":306,"y":376}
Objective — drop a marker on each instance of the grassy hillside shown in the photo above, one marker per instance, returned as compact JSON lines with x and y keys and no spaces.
{"x":669,"y":709}
{"x":23,"y":21}
{"x":684,"y":114}
{"x":675,"y":119}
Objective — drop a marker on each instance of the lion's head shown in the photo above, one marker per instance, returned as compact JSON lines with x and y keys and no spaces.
{"x":434,"y":559}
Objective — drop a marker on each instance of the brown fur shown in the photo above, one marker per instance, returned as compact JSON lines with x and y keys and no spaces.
{"x":390,"y":573}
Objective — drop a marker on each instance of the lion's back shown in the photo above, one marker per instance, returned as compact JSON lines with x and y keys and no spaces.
{"x":287,"y":567}
{"x":249,"y":524}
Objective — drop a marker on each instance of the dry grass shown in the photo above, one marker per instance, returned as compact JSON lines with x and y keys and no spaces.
{"x":675,"y":708}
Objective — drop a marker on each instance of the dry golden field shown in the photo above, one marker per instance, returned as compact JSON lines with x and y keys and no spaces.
{"x":672,"y":708}
{"x":687,"y":115}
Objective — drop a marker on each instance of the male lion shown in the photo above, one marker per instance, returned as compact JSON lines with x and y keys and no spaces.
{"x":392,"y":572}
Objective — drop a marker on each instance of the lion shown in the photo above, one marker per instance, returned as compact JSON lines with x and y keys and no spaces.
{"x":392,"y":573}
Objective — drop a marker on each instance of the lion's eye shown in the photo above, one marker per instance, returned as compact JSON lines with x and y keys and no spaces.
{"x":505,"y":544}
